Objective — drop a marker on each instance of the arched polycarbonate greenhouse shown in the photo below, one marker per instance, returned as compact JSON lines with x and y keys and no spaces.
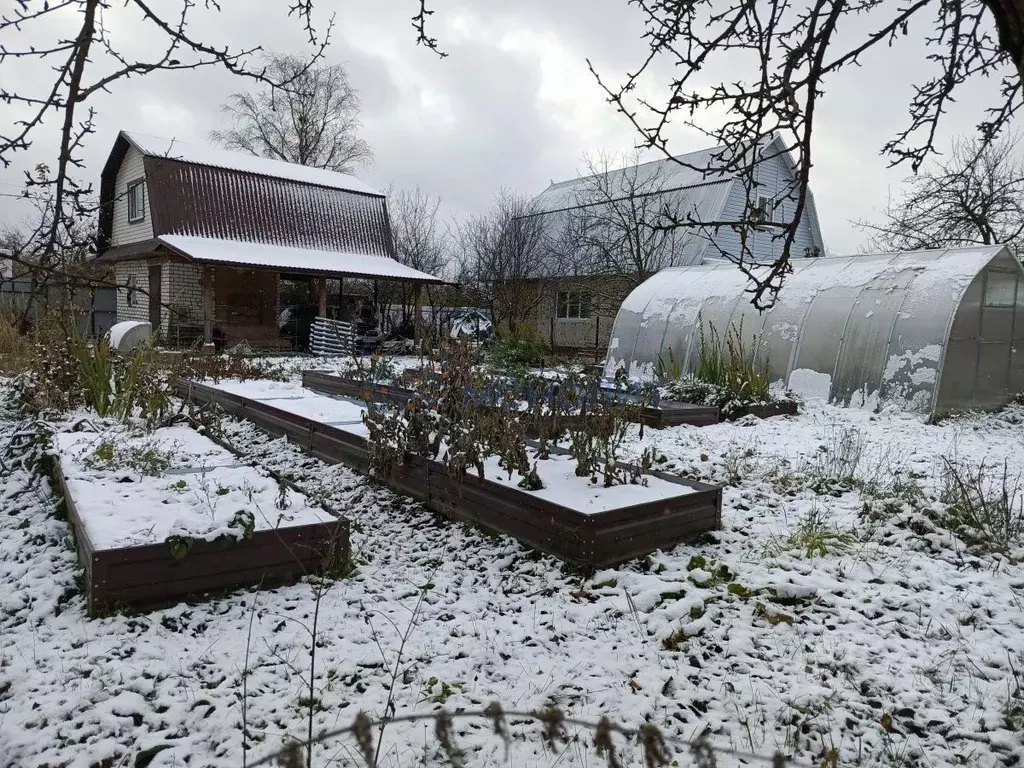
{"x":934,"y":331}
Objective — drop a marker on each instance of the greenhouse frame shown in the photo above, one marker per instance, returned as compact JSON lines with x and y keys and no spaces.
{"x":933,"y":331}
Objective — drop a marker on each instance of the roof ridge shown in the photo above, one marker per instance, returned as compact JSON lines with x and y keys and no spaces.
{"x":666,"y":159}
{"x":207,"y":155}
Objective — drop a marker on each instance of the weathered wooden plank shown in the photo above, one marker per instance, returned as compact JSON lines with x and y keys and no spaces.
{"x":222,"y":564}
{"x":164,"y":593}
{"x":279,"y":538}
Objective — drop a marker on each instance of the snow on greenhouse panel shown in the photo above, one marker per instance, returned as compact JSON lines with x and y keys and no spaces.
{"x":872,"y":323}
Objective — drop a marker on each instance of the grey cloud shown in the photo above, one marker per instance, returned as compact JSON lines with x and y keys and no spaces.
{"x":501,"y":131}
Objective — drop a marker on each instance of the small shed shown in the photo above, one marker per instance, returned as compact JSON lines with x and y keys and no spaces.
{"x":933,"y":331}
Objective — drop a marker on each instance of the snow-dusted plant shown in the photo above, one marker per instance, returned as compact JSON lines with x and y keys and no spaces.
{"x":984,"y":505}
{"x":388,"y":437}
{"x":147,"y":459}
{"x":375,"y":369}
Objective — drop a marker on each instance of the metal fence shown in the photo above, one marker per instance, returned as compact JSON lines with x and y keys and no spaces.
{"x":95,"y":308}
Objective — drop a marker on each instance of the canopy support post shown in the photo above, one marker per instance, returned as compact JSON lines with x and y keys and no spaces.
{"x":207,"y":309}
{"x":417,"y":331}
{"x":321,"y":296}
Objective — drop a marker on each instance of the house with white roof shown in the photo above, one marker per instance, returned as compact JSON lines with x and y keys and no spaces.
{"x":581,"y":304}
{"x":200,"y":239}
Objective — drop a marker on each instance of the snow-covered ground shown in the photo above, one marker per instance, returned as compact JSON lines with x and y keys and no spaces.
{"x":897,"y":647}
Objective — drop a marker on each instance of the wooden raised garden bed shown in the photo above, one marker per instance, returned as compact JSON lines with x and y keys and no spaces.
{"x":666,"y":414}
{"x":147,"y":575}
{"x":593,"y":539}
{"x":786,"y":408}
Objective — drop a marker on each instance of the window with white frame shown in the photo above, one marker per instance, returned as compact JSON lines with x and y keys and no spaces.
{"x":572,"y":305}
{"x":131,"y":288}
{"x":763,"y":211}
{"x":136,"y":201}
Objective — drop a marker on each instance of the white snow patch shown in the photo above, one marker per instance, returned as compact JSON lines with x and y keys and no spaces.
{"x":810,"y":385}
{"x":197,"y":495}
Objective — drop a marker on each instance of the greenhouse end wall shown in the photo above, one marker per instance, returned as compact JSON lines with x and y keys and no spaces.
{"x":932,"y":331}
{"x":984,"y":362}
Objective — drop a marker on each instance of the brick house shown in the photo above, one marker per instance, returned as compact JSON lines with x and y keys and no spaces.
{"x":200,"y":239}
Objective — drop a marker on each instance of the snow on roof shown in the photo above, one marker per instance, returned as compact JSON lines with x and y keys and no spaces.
{"x":693,"y":169}
{"x":200,"y":154}
{"x":242,"y":254}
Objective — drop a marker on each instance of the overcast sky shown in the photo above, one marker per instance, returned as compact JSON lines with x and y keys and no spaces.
{"x":512,"y":106}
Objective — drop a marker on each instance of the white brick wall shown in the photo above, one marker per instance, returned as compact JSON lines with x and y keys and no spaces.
{"x":182,"y":291}
{"x":138,"y":309}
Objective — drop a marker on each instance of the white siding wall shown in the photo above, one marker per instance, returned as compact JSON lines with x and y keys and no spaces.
{"x":122,"y":232}
{"x":139,"y":309}
{"x":773,"y":176}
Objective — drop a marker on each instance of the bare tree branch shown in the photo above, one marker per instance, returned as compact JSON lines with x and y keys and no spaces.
{"x":975,"y":197}
{"x":503,"y":261}
{"x":796,"y":51}
{"x":313,"y":121}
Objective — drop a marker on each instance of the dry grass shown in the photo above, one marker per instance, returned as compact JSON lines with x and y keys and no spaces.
{"x":16,"y":349}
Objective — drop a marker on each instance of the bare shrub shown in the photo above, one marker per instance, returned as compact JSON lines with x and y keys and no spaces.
{"x":984,"y":504}
{"x":832,"y":470}
{"x":15,"y":347}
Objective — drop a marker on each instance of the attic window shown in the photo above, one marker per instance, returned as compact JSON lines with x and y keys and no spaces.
{"x":762,"y":211}
{"x":136,"y":201}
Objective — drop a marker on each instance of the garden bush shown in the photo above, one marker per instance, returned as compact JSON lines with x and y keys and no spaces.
{"x":463,"y":415}
{"x":516,"y":354}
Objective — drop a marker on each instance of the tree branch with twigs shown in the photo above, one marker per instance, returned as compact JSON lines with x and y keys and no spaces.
{"x":314,"y":121}
{"x":504,"y":261}
{"x":794,"y":51}
{"x":974,"y":197}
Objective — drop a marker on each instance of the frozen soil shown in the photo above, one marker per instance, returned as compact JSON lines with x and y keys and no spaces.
{"x":891,"y":644}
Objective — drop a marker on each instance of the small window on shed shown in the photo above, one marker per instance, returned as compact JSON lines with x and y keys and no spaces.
{"x":131,"y":290}
{"x":136,"y":201}
{"x":1000,"y":288}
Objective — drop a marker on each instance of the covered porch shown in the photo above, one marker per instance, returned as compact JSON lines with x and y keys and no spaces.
{"x":223,"y":293}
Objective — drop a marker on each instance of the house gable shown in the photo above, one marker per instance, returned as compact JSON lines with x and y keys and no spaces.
{"x":124,"y":231}
{"x":774,"y":177}
{"x":707,"y":197}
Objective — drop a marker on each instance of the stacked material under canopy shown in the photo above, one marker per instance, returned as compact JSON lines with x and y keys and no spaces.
{"x":934,"y":331}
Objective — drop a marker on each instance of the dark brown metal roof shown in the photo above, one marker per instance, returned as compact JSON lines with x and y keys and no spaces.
{"x":188,"y":198}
